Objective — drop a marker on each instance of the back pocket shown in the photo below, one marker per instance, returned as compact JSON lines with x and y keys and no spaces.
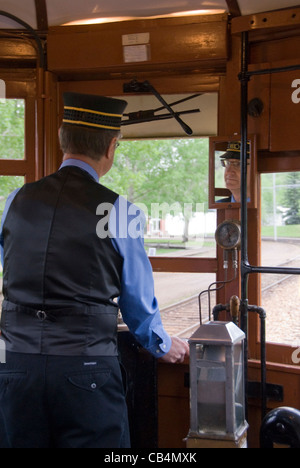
{"x":90,"y":381}
{"x":11,"y":379}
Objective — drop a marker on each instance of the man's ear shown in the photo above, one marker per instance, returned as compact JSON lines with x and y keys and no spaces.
{"x":112,"y":148}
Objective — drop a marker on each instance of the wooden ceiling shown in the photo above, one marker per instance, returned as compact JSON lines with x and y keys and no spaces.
{"x":40,"y":14}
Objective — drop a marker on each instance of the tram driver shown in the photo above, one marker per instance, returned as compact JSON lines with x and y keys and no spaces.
{"x":231,"y":161}
{"x":61,"y":386}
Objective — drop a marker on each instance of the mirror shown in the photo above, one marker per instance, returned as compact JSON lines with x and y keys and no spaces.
{"x":225,"y":172}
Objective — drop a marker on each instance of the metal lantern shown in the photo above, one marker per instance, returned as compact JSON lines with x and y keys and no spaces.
{"x":217,"y":386}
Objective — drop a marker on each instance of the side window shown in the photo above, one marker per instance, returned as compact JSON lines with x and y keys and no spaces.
{"x":12,"y":124}
{"x":12,"y":149}
{"x":168,"y":179}
{"x":281,"y":247}
{"x":7,"y":185}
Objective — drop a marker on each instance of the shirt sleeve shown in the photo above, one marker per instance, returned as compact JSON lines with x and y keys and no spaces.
{"x":9,"y":201}
{"x":137,"y":301}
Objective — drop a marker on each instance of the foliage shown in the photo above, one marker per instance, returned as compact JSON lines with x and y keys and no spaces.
{"x":12,"y":114}
{"x":7,"y":185}
{"x":162,"y":172}
{"x":156,"y":171}
{"x":292,"y":199}
{"x":286,"y":187}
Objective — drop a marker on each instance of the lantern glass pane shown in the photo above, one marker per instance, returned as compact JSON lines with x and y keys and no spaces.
{"x":239,"y":386}
{"x":211,"y":386}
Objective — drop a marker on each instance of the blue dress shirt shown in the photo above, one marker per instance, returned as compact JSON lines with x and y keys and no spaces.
{"x":137,"y":301}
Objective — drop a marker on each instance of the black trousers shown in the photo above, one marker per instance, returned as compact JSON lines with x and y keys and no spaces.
{"x":62,"y":402}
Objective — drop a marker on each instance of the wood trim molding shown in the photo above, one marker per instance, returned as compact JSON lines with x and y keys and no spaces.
{"x":184,"y":265}
{"x":289,"y":18}
{"x":41,"y":15}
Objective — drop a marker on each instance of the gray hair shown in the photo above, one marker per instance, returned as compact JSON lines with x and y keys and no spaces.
{"x":90,"y":142}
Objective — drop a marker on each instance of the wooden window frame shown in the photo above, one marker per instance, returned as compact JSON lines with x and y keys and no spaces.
{"x":277,"y":353}
{"x":26,"y":167}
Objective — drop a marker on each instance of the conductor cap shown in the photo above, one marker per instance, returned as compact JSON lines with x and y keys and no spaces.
{"x":234,"y":150}
{"x":91,"y":111}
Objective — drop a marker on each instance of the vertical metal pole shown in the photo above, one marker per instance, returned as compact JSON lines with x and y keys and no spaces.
{"x":244,"y":213}
{"x":244,"y":77}
{"x":274,"y":208}
{"x":263,"y":359}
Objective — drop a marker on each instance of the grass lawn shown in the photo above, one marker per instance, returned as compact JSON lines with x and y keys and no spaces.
{"x":164,"y":245}
{"x":292,"y":231}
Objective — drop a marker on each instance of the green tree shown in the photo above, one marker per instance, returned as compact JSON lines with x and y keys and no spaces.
{"x":292,"y":199}
{"x":12,"y":112}
{"x":12,"y":142}
{"x":162,"y":171}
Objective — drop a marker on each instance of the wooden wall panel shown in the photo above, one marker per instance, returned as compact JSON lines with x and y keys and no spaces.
{"x":259,"y":88}
{"x":194,"y":42}
{"x":285,"y":111}
{"x":230,"y":95}
{"x":17,"y":49}
{"x":230,"y":100}
{"x":173,"y":404}
{"x":285,"y":376}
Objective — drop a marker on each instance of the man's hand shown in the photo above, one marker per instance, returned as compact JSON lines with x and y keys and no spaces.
{"x":179,"y":350}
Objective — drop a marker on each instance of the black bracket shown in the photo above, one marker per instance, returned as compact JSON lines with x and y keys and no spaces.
{"x":149,"y":115}
{"x":273,"y":392}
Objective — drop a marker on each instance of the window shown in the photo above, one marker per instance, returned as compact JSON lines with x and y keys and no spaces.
{"x":17,"y":157}
{"x":178,"y":298}
{"x":7,"y":185}
{"x":12,"y":141}
{"x":281,"y":247}
{"x":168,"y":179}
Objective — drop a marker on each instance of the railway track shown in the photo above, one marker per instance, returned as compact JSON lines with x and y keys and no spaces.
{"x":182,"y":318}
{"x":270,"y":281}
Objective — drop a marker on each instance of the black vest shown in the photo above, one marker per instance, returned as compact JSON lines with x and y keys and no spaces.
{"x":60,"y":279}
